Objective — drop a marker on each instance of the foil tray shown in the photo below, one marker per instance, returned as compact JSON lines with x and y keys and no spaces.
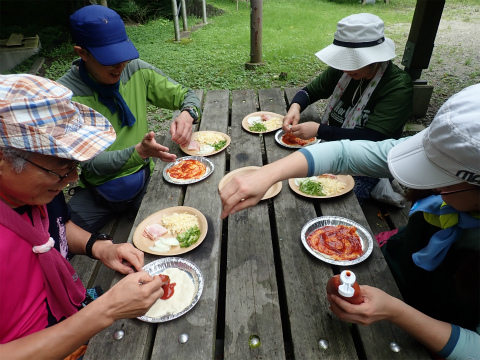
{"x":158,"y":266}
{"x":314,"y":224}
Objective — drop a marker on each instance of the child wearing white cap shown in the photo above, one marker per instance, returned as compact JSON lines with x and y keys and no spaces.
{"x":370,"y":97}
{"x":435,"y":258}
{"x":43,"y":135}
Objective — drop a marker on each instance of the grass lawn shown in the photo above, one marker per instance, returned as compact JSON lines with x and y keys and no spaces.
{"x":214,"y":56}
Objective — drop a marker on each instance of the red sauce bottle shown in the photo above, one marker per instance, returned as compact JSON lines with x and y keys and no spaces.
{"x":344,"y":286}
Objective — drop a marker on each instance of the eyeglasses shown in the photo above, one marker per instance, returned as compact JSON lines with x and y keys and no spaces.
{"x":438,"y":192}
{"x":61,"y":177}
{"x":114,"y":66}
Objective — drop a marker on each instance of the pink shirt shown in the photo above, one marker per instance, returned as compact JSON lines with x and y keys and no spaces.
{"x":23,"y":308}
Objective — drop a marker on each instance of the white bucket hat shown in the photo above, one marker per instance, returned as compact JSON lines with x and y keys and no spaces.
{"x":358,"y":42}
{"x":448,"y":151}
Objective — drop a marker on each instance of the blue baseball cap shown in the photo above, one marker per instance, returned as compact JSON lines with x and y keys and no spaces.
{"x":101,"y":31}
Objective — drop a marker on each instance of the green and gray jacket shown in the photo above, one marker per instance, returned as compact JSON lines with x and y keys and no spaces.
{"x":140,"y":82}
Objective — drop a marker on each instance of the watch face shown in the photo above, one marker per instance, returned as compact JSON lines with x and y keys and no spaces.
{"x":104,"y":237}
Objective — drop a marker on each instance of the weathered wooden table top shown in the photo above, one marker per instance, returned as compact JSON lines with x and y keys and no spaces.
{"x":259,"y":279}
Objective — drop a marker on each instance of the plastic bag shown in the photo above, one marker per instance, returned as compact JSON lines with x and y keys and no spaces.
{"x":384,"y":192}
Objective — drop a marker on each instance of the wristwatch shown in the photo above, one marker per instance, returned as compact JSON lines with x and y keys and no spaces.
{"x":193,"y":113}
{"x":91,"y":241}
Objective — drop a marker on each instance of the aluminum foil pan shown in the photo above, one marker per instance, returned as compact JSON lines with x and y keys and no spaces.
{"x":158,"y":266}
{"x":312,"y":225}
{"x":278,"y":139}
{"x":208,"y":164}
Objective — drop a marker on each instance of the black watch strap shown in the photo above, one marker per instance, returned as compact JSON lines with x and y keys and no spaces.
{"x":193,"y":113}
{"x":91,"y":241}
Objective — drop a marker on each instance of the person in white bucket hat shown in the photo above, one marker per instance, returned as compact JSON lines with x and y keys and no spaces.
{"x":370,"y":97}
{"x":435,"y":258}
{"x":43,"y":135}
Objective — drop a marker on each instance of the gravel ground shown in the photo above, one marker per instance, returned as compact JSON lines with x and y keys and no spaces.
{"x":455,"y":62}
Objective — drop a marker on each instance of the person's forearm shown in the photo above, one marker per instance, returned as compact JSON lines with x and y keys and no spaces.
{"x":432,"y":333}
{"x":60,"y":340}
{"x":76,"y":238}
{"x":292,"y":166}
{"x":333,"y":133}
{"x":108,"y":162}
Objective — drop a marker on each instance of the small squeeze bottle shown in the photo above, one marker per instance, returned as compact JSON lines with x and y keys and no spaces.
{"x":344,"y":286}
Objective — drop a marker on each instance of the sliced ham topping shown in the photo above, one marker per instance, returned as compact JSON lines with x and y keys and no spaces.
{"x":153,"y":232}
{"x":194,"y":145}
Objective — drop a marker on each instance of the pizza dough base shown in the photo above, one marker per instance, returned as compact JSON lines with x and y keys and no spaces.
{"x":181,"y":298}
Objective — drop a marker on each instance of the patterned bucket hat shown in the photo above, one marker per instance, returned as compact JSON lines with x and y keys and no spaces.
{"x":37,"y":115}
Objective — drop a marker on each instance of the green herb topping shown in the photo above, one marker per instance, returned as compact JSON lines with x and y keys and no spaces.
{"x":219,"y":145}
{"x":258,"y":126}
{"x":311,"y":187}
{"x":189,"y":237}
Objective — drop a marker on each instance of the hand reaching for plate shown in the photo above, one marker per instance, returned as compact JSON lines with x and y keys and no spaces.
{"x":244,"y":191}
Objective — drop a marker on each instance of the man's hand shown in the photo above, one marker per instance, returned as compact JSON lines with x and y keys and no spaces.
{"x":181,"y":129}
{"x":292,"y":118}
{"x":149,"y":147}
{"x":305,"y":130}
{"x":131,"y":297}
{"x":119,"y":257}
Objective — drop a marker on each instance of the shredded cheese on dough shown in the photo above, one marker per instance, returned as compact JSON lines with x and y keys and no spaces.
{"x":273,"y":123}
{"x":330,"y":186}
{"x":179,"y":223}
{"x":209,"y":138}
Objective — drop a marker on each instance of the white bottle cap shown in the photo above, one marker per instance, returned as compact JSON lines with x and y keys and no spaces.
{"x":347,"y":279}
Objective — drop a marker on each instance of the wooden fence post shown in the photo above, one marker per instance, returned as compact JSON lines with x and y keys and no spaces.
{"x":204,"y":11}
{"x":184,"y":14}
{"x":175,"y":20}
{"x":256,"y":23}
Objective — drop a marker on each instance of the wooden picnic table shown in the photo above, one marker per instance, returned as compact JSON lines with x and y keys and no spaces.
{"x":260,"y":281}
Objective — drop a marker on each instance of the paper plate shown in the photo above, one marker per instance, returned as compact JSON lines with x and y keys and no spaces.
{"x":271,"y":192}
{"x":144,"y":244}
{"x":259,"y":113}
{"x":158,"y":266}
{"x":314,"y":224}
{"x":208,"y":164}
{"x":195,"y":152}
{"x":347,"y":179}
{"x":278,"y":138}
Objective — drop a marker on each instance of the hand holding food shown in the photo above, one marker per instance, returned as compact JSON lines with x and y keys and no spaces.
{"x":305,"y":130}
{"x":292,"y":118}
{"x":181,"y":128}
{"x":132,"y":296}
{"x":178,"y":294}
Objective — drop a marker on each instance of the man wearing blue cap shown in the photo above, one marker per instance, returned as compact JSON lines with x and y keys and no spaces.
{"x":111,"y":79}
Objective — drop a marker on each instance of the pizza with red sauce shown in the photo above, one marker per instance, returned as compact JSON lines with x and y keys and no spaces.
{"x":187,"y":170}
{"x":292,"y":140}
{"x":338,"y":242}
